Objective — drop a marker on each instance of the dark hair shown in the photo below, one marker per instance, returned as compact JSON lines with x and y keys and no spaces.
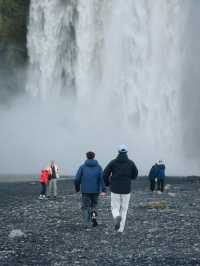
{"x":90,"y":155}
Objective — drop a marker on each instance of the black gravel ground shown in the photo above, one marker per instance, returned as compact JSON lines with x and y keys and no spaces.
{"x":161,"y":229}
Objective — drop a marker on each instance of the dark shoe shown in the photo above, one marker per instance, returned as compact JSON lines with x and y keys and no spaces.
{"x":94,"y":222}
{"x":94,"y":218}
{"x":117,"y":222}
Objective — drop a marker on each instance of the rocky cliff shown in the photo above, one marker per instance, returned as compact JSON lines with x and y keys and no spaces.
{"x":13,"y":52}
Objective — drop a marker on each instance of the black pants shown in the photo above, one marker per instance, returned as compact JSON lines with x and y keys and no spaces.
{"x":43,"y":189}
{"x":89,"y":204}
{"x":152,"y":184}
{"x":160,"y":184}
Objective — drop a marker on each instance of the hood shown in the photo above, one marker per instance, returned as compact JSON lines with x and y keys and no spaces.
{"x":122,"y":157}
{"x":91,"y":163}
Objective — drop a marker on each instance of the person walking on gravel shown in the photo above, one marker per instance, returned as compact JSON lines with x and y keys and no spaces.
{"x":89,"y":180}
{"x":118,"y":175}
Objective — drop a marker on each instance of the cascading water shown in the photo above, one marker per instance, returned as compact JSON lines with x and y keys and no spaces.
{"x":52,"y":47}
{"x":120,"y":63}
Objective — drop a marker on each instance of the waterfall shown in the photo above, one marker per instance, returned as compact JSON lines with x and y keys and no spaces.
{"x":121,"y":62}
{"x":52,"y":47}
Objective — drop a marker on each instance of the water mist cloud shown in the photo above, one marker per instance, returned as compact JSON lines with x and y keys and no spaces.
{"x":191,"y":82}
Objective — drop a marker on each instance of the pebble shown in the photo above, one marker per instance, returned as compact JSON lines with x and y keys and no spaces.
{"x":16,"y":233}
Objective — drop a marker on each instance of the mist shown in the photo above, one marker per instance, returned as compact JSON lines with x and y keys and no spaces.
{"x":190,"y":84}
{"x":33,"y":132}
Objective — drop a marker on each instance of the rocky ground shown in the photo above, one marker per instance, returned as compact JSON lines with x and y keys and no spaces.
{"x":161,"y":229}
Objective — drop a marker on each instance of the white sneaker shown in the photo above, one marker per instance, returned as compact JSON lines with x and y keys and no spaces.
{"x":41,"y":197}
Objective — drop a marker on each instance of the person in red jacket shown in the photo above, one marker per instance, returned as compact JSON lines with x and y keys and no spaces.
{"x":44,"y":182}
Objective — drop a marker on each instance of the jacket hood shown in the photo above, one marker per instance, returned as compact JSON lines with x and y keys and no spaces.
{"x":91,"y":163}
{"x":122,"y":157}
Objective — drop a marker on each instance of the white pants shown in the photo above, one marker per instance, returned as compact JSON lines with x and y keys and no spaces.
{"x":52,"y":187}
{"x":119,"y":207}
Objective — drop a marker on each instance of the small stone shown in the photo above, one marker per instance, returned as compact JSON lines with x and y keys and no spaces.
{"x":167,"y":187}
{"x":16,"y":233}
{"x":172,"y":194}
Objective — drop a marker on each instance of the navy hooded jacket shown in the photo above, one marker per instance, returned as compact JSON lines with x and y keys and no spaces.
{"x":89,"y":177}
{"x":119,"y":173}
{"x":153,"y":172}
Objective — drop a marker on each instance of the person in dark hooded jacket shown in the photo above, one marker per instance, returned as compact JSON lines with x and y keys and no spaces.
{"x":90,"y":181}
{"x":152,"y":176}
{"x":118,"y":175}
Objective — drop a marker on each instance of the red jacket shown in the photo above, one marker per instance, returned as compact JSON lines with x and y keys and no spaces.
{"x":44,"y":176}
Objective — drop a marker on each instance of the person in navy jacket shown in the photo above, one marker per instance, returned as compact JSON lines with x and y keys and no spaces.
{"x":152,"y":176}
{"x":90,"y":182}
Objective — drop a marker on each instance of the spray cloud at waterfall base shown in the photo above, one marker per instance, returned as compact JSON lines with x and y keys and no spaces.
{"x":41,"y":132}
{"x":97,"y":79}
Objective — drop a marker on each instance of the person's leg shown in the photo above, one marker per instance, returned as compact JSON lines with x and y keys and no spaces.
{"x":115,"y":204}
{"x":162,"y":185}
{"x":54,"y":181}
{"x":152,"y":185}
{"x":49,"y":188}
{"x":42,"y":189}
{"x":125,"y":198}
{"x":115,"y":208}
{"x":158,"y":184}
{"x":86,"y":207}
{"x":94,"y":202}
{"x":45,"y":189}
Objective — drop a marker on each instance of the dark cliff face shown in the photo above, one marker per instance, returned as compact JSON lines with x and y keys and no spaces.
{"x":13,"y":52}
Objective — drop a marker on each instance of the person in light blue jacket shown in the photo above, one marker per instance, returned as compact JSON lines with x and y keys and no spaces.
{"x":90,"y":182}
{"x":161,"y":176}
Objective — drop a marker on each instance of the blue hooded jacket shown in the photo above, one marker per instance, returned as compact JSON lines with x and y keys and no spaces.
{"x":161,"y":171}
{"x":89,"y":177}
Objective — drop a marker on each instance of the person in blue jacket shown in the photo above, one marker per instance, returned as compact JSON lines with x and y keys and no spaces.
{"x":160,"y":176}
{"x":90,"y":181}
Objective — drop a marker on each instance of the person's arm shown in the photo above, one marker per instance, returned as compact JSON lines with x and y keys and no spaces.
{"x":102,"y":184}
{"x":49,"y":170}
{"x":134,"y":171}
{"x":57,"y":172}
{"x":106,"y":174}
{"x":77,"y":180}
{"x":151,"y":173}
{"x":164,"y":169}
